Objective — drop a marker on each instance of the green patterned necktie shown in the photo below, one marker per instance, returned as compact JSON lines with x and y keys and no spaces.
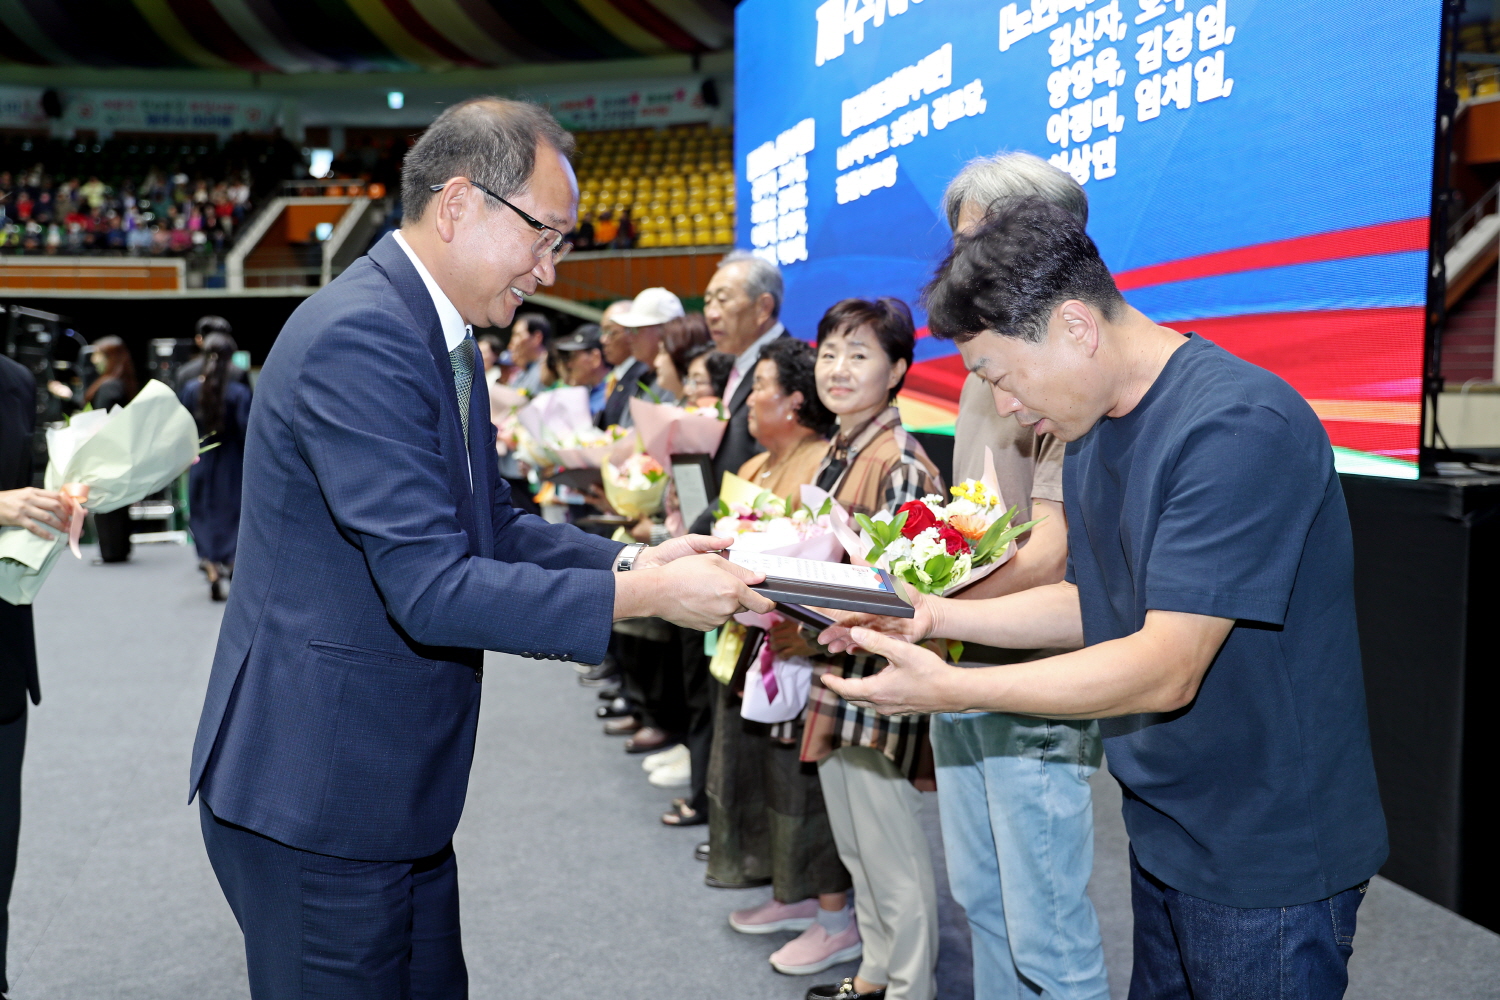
{"x":462,"y":360}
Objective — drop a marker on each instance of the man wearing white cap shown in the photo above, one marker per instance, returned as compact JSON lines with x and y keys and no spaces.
{"x":646,"y":319}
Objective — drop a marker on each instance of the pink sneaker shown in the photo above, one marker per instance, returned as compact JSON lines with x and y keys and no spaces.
{"x":771,"y":916}
{"x":815,"y":950}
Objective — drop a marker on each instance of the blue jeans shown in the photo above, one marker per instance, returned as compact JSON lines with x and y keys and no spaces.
{"x":1018,"y":829}
{"x":1187,"y":948}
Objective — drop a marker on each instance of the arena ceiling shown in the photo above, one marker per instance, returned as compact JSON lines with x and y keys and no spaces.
{"x":320,"y":36}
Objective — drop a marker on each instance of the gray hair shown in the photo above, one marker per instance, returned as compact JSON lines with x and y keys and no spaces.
{"x":761,"y":277}
{"x":490,"y":140}
{"x":991,"y":180}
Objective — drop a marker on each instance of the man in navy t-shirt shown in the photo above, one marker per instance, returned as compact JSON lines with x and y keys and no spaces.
{"x":1210,"y":586}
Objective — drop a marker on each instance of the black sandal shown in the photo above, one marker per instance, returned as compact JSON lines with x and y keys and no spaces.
{"x":683,"y":815}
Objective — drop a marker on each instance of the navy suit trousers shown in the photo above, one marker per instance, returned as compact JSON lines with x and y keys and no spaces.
{"x":320,"y":926}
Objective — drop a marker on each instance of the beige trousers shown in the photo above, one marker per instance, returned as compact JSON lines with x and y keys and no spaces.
{"x":876,"y":818}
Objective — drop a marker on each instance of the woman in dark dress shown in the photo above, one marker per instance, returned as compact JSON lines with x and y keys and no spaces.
{"x":115,"y":386}
{"x":221,"y":405}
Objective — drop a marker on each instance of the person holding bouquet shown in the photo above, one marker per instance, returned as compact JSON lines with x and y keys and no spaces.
{"x":1208,"y":604}
{"x":867,"y":763}
{"x":682,"y":339}
{"x":767,"y":816}
{"x":221,"y":405}
{"x":40,"y":512}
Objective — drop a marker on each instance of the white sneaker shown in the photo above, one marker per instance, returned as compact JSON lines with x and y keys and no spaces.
{"x":678,"y":774}
{"x":663,"y":757}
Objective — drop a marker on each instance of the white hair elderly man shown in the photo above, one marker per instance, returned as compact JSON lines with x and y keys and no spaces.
{"x":1018,"y":824}
{"x":741,"y":306}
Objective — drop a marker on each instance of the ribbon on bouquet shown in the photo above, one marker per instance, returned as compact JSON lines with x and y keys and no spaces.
{"x":768,"y":670}
{"x":76,"y":493}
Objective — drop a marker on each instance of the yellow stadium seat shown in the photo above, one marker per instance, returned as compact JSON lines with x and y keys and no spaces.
{"x":703,"y":237}
{"x":712,"y":205}
{"x":646,"y":240}
{"x":724,"y":237}
{"x":683,"y":237}
{"x":719,"y":219}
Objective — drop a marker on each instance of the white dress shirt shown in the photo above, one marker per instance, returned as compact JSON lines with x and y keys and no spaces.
{"x":744,"y":364}
{"x":455,"y":330}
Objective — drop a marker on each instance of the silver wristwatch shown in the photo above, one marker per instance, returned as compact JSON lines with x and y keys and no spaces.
{"x":625,"y":561}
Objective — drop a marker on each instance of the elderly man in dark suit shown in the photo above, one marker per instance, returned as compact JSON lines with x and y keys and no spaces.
{"x":379,"y":556}
{"x":741,"y":307}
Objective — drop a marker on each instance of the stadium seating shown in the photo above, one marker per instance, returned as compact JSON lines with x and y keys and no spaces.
{"x":677,"y":184}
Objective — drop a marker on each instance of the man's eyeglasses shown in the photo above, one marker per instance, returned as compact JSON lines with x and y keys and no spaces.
{"x":548,"y":239}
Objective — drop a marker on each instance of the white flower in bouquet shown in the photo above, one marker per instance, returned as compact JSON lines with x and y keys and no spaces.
{"x":638,"y":472}
{"x":635,"y":486}
{"x":935,"y":546}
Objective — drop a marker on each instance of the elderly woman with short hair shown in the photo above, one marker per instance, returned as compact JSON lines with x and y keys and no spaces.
{"x":868,"y":763}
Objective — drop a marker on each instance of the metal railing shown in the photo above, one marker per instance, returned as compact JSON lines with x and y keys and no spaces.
{"x":1490,"y":199}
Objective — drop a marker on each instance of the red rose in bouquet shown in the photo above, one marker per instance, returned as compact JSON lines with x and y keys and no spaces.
{"x":919,"y":517}
{"x":950,"y":537}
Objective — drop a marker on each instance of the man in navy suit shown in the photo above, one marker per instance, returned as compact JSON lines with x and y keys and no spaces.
{"x":379,"y":555}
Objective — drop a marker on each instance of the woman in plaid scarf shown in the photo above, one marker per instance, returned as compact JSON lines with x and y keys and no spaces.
{"x":867,"y":762}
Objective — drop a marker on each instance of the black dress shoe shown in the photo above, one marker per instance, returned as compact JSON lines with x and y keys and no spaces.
{"x":623,"y":726}
{"x":614,"y":710}
{"x":598,"y":676}
{"x":649,"y":740}
{"x":609,"y":692}
{"x":843,"y":990}
{"x":701,"y":851}
{"x":754,"y":883}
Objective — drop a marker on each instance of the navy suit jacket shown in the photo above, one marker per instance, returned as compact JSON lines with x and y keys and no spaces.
{"x":342,"y":705}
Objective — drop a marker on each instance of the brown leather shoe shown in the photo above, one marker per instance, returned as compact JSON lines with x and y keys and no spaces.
{"x":623,"y":726}
{"x":648,"y":740}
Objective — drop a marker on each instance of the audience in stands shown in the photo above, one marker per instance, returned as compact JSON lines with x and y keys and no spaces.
{"x":142,"y":196}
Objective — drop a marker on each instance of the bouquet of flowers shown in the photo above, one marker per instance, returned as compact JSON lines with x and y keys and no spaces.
{"x":776,"y":689}
{"x":758,"y":521}
{"x":590,"y":448}
{"x":938,"y":547}
{"x":102,"y":461}
{"x":559,"y":431}
{"x":635,"y":486}
{"x":668,"y":430}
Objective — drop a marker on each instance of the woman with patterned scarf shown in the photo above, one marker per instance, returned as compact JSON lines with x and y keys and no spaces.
{"x":868,"y":763}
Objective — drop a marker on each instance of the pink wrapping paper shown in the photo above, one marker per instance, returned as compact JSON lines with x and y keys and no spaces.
{"x":594,"y":456}
{"x":666,"y":430}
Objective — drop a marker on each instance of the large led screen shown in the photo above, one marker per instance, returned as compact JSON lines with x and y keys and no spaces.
{"x":1258,"y":171}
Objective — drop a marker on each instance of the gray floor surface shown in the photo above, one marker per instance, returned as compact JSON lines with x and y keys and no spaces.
{"x":571,"y":887}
